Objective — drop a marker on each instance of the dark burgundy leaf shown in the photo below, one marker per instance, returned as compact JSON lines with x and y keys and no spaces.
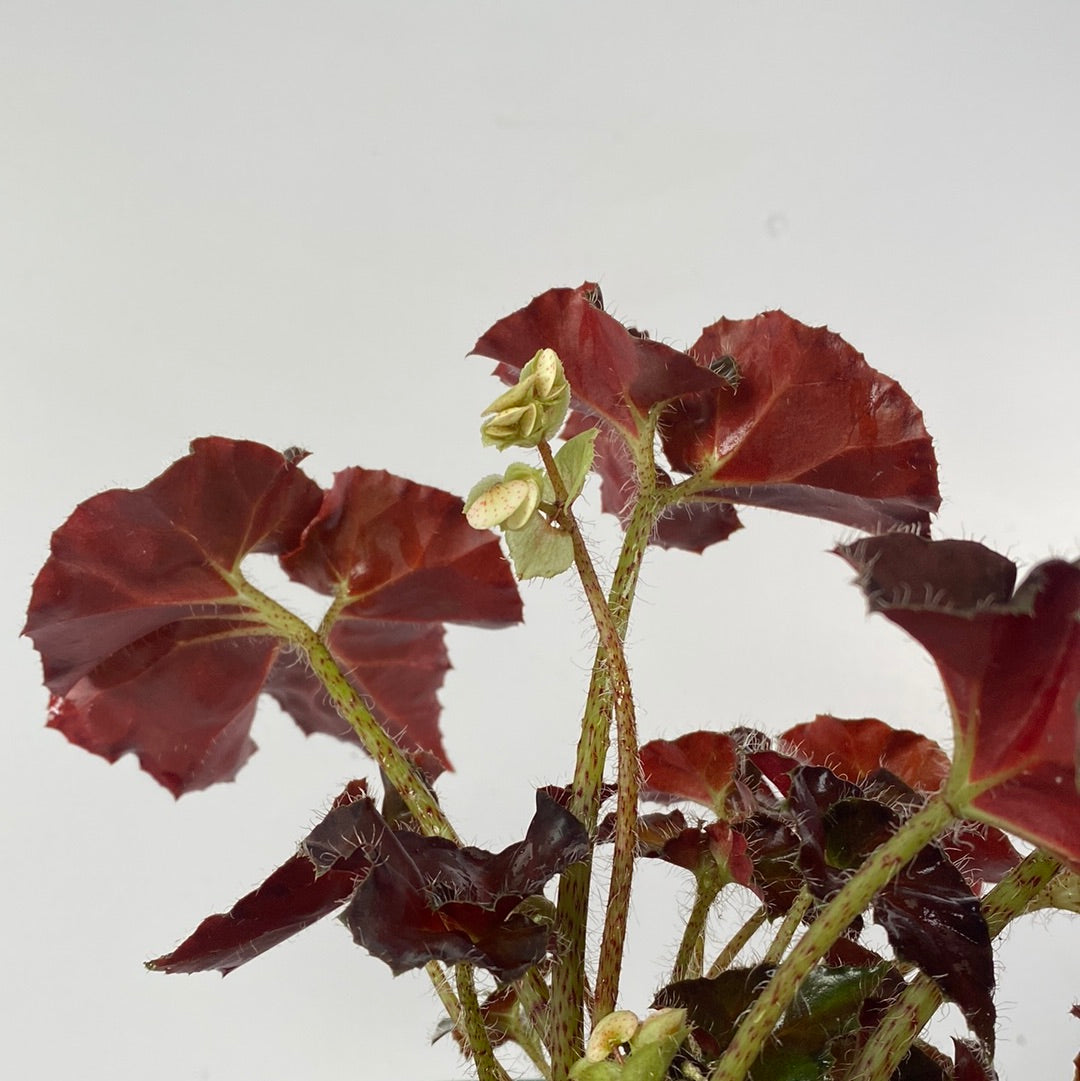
{"x":1010,"y":663}
{"x":612,"y":373}
{"x":857,"y":750}
{"x":933,"y":919}
{"x":971,"y":1063}
{"x":292,"y":898}
{"x":918,"y":1065}
{"x":773,"y":847}
{"x":691,"y":525}
{"x":429,"y":899}
{"x":813,"y":429}
{"x":715,"y":1005}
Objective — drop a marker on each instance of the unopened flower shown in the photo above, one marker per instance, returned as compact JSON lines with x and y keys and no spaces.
{"x":610,"y":1033}
{"x":533,"y":409}
{"x":508,"y":501}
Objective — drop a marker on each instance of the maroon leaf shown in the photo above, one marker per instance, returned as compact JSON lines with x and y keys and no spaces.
{"x":148,"y":646}
{"x":144,"y":642}
{"x":715,"y":1005}
{"x":691,"y":525}
{"x":612,"y":373}
{"x":857,"y":750}
{"x":928,"y":911}
{"x":853,"y":749}
{"x":698,"y":766}
{"x":812,"y":429}
{"x":295,"y":896}
{"x":399,"y":558}
{"x":1010,"y":663}
{"x":427,"y":899}
{"x":972,"y":1063}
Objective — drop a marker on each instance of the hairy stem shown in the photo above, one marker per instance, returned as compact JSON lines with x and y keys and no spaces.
{"x":799,"y":907}
{"x":908,"y":1014}
{"x":622,"y":703}
{"x":395,"y":764}
{"x":691,"y":956}
{"x":738,"y":940}
{"x":566,"y":1036}
{"x":488,"y":1067}
{"x":396,"y":767}
{"x":879,"y":868}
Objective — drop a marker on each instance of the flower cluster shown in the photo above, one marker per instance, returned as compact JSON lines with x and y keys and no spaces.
{"x":533,"y":409}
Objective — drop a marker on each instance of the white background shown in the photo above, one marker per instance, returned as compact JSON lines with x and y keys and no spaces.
{"x":290,"y":222}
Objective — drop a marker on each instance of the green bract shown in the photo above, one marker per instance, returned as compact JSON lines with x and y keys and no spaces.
{"x":533,"y":409}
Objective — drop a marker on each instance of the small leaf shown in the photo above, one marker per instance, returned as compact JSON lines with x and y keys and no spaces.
{"x":698,"y":766}
{"x":540,"y":549}
{"x":855,"y":749}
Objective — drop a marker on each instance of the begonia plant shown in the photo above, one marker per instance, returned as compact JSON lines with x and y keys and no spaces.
{"x":154,"y":642}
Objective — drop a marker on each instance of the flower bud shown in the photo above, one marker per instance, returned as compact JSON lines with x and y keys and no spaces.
{"x":508,"y":501}
{"x":533,"y":409}
{"x":611,"y":1032}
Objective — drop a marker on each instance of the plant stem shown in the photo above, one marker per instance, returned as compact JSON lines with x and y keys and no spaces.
{"x":622,"y":702}
{"x":396,"y":767}
{"x":399,"y":771}
{"x":790,"y":925}
{"x":906,"y":1017}
{"x":880,"y":867}
{"x":691,"y":956}
{"x":738,"y":940}
{"x":566,"y":1036}
{"x":488,"y":1067}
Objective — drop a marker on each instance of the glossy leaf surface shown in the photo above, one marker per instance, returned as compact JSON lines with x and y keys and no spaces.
{"x":1010,"y":663}
{"x":429,"y":899}
{"x":812,"y":429}
{"x":295,"y":896}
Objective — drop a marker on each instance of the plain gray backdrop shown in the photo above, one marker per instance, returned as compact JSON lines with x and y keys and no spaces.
{"x":290,"y":222}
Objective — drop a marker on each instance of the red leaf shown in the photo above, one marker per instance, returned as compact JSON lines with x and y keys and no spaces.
{"x":1011,"y":668}
{"x":292,"y":898}
{"x":148,"y":647}
{"x":137,"y":620}
{"x":855,"y":749}
{"x":399,"y":558}
{"x":812,"y":429}
{"x":699,"y":766}
{"x":612,"y":373}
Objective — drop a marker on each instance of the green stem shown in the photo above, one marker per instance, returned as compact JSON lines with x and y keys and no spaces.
{"x":622,"y":703}
{"x":399,"y":771}
{"x":488,"y":1067}
{"x":738,"y":940}
{"x":879,"y":868}
{"x":799,"y":907}
{"x":396,"y":767}
{"x":566,"y":1036}
{"x":912,"y":1009}
{"x":691,"y":956}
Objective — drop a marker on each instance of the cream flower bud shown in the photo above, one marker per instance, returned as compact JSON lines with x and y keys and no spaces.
{"x":611,"y":1032}
{"x":533,"y":409}
{"x":508,"y":502}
